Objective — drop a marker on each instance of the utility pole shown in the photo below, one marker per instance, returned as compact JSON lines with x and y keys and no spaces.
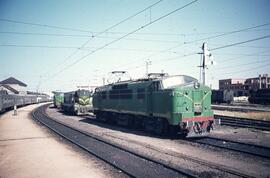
{"x":205,"y":54}
{"x":148,"y":62}
{"x":260,"y":80}
{"x":39,"y":83}
{"x":204,"y":66}
{"x":266,"y":81}
{"x":103,"y":79}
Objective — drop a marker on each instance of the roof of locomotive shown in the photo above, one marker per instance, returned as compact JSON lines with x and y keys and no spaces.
{"x":73,"y":92}
{"x":149,"y":81}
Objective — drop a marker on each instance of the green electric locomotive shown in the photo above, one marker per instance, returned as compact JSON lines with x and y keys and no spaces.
{"x":58,"y":99}
{"x":166,"y":104}
{"x":78,"y":102}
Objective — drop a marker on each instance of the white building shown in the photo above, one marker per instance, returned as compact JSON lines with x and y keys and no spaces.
{"x":13,"y":86}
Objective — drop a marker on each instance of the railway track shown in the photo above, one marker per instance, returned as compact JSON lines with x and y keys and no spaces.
{"x":124,"y":166}
{"x":243,"y":122}
{"x":129,"y":162}
{"x":235,"y":146}
{"x":242,"y":108}
{"x":219,"y":167}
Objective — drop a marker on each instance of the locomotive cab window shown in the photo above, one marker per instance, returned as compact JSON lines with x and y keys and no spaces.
{"x":156,"y":86}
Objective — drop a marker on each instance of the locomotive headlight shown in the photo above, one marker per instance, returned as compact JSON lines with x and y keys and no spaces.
{"x":187,"y":108}
{"x":196,"y":85}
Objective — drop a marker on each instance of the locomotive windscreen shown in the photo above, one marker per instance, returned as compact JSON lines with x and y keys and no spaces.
{"x":83,"y":93}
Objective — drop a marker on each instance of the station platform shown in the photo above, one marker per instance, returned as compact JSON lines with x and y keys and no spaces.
{"x":28,"y":150}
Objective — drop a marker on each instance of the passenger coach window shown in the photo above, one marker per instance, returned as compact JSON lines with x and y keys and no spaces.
{"x":140,"y":93}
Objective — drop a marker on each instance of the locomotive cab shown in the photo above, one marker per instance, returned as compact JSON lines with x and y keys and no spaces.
{"x":189,"y":104}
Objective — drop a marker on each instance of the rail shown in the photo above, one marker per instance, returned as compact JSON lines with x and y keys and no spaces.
{"x":128,"y":162}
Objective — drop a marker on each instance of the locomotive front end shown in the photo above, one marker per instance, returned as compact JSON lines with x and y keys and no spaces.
{"x":198,"y":120}
{"x":191,"y":109}
{"x":83,"y":102}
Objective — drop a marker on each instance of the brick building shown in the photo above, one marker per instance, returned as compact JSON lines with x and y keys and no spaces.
{"x":263,"y":81}
{"x":242,"y":87}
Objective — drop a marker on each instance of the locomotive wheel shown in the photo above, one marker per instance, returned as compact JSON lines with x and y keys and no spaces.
{"x":159,"y":126}
{"x":131,"y":122}
{"x":173,"y":130}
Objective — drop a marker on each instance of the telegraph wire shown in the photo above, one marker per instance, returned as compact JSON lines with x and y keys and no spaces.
{"x":134,"y":31}
{"x":44,"y":25}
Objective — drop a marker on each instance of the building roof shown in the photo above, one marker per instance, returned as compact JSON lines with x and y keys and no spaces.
{"x":12,"y":80}
{"x":10,"y":88}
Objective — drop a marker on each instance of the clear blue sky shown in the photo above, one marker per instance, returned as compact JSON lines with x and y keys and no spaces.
{"x":35,"y":54}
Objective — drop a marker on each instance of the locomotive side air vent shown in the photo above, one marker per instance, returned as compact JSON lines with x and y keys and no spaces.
{"x":119,"y":87}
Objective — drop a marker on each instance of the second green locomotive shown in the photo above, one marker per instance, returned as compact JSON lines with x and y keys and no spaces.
{"x":78,"y":102}
{"x":58,"y":99}
{"x":168,"y":104}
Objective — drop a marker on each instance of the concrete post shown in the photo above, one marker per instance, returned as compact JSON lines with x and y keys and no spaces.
{"x":266,"y":81}
{"x":260,"y":80}
{"x":15,"y":110}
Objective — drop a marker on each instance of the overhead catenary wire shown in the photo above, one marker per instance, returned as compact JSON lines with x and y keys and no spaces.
{"x":242,"y":42}
{"x":218,"y":48}
{"x":117,"y":33}
{"x":107,"y":29}
{"x":101,"y":37}
{"x":240,"y":71}
{"x":229,"y":33}
{"x":249,"y":55}
{"x":74,"y":47}
{"x":240,"y":65}
{"x":181,"y":44}
{"x":132,"y":32}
